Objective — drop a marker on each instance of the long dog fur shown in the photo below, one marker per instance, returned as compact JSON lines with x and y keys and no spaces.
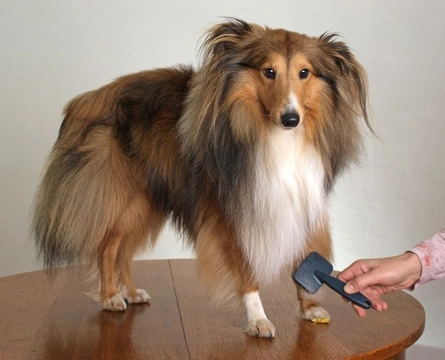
{"x":208,"y":151}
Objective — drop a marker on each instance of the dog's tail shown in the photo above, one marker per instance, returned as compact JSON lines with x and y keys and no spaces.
{"x":95,"y":184}
{"x":85,"y":187}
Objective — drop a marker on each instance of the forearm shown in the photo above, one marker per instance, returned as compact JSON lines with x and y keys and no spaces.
{"x":431,"y":253}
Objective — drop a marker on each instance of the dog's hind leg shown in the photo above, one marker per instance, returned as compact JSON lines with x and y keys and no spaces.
{"x":129,"y":292}
{"x":142,"y":225}
{"x":109,"y":286}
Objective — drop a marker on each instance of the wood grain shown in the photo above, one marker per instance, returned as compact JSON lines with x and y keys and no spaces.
{"x":54,"y":319}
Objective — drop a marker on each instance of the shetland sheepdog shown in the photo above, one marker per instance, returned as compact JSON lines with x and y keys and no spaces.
{"x":240,"y":155}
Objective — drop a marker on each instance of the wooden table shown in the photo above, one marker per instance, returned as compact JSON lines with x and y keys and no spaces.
{"x":42,"y":319}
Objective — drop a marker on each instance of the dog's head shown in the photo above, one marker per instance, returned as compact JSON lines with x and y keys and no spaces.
{"x":273,"y":77}
{"x":287,"y":73}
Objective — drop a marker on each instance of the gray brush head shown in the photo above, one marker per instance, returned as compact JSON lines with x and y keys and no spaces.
{"x":305,"y":274}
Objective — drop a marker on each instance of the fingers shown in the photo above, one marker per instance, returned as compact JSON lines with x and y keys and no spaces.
{"x":356,"y":269}
{"x":349,"y":273}
{"x":393,"y":273}
{"x":378,"y":305}
{"x":374,"y":296}
{"x":370,"y":277}
{"x":360,"y":312}
{"x":363,"y":281}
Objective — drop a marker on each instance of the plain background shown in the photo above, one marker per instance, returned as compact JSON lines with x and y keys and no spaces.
{"x":53,"y":50}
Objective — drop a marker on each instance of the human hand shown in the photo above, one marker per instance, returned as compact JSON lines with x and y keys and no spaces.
{"x":376,"y":277}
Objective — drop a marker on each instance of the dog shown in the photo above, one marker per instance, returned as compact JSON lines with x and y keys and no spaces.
{"x":239,"y":155}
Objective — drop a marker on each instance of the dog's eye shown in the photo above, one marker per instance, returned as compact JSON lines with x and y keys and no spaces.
{"x":303,"y":74}
{"x":269,"y":73}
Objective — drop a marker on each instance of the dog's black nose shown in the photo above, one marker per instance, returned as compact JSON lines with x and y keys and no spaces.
{"x":290,"y":120}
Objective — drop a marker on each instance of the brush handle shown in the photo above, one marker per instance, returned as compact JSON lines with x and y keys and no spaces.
{"x":337,"y":285}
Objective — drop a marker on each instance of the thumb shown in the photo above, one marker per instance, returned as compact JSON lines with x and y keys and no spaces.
{"x":359,"y":283}
{"x":350,"y":288}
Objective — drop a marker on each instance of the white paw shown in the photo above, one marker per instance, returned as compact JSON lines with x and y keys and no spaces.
{"x":140,"y":297}
{"x":315,"y":312}
{"x":261,"y":328}
{"x":115,"y":303}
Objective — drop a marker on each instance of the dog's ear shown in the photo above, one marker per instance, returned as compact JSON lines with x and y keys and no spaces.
{"x":338,"y":51}
{"x":346,"y":72}
{"x":224,"y":37}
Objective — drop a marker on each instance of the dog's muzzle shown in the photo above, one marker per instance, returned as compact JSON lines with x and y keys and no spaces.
{"x":290,"y":120}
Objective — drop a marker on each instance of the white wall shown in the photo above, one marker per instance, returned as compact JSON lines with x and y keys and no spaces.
{"x":52,"y":50}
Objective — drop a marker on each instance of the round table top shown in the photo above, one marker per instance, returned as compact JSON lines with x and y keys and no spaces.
{"x":52,"y":318}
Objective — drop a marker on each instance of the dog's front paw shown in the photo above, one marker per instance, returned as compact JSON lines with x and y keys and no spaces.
{"x":316,"y":314}
{"x":115,"y":303}
{"x":261,"y":328}
{"x":140,"y":297}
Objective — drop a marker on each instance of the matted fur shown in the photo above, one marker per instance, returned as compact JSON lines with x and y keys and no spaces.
{"x":208,"y":151}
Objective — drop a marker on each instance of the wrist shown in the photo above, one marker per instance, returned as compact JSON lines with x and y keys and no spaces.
{"x":413,"y":268}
